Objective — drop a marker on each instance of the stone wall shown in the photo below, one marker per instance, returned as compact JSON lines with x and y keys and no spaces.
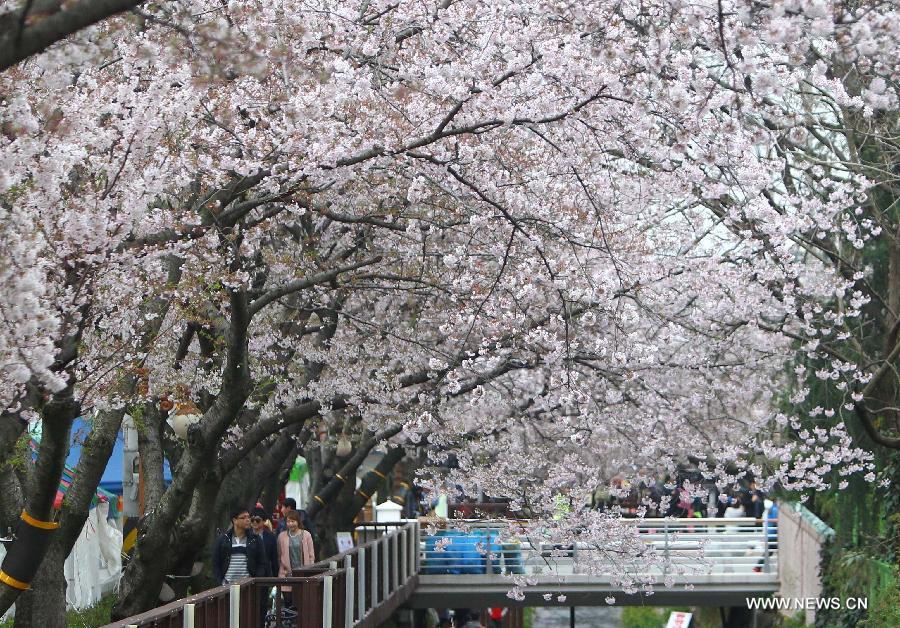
{"x":800,"y":538}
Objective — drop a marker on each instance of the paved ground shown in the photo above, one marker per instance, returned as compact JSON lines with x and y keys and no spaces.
{"x":585,"y":617}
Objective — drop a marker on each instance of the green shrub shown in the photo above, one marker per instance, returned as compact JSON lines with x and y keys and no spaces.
{"x":797,"y":620}
{"x":886,"y":611}
{"x":92,"y":617}
{"x":644,"y":617}
{"x":529,"y":617}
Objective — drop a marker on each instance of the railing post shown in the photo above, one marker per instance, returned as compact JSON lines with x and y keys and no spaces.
{"x":348,"y":596}
{"x":188,"y":616}
{"x":414,"y":546}
{"x":385,"y":566}
{"x":361,"y":583}
{"x":666,"y":546}
{"x":395,"y":559}
{"x":234,"y":607}
{"x":765,"y":545}
{"x":375,"y":567}
{"x":488,"y":562}
{"x":327,"y":602}
{"x":404,"y":547}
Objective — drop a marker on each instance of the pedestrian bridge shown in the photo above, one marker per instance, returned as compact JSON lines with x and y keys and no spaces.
{"x":476,"y":564}
{"x":706,"y":562}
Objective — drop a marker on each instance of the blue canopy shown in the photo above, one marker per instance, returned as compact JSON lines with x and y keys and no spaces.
{"x":112,"y":475}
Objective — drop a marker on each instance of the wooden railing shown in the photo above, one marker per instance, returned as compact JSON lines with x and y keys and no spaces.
{"x":359,"y":588}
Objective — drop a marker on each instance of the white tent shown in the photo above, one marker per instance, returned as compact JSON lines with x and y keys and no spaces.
{"x":94,"y":565}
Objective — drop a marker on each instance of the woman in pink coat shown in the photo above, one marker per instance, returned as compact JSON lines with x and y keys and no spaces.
{"x":295,"y":549}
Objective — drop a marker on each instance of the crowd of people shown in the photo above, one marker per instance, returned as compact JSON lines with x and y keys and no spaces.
{"x":669,"y":497}
{"x":254,"y":547}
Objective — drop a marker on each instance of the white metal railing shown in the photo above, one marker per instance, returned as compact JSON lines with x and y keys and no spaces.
{"x":381,"y":563}
{"x":727,"y":548}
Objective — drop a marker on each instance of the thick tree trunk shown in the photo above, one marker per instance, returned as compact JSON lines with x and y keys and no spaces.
{"x":343,"y":501}
{"x":57,"y":416}
{"x":151,"y":450}
{"x":192,"y":537}
{"x":49,"y":583}
{"x":272,"y":489}
{"x":44,"y":604}
{"x":338,"y":517}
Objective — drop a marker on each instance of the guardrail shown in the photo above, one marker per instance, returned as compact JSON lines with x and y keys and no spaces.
{"x":741,"y":547}
{"x":362,"y":587}
{"x":359,"y":588}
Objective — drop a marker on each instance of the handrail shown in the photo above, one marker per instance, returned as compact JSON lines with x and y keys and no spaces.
{"x":362,"y":586}
{"x":334,"y":592}
{"x":740,"y":546}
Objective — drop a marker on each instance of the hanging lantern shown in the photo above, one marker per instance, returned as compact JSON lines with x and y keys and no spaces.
{"x":185,"y":415}
{"x":344,"y":447}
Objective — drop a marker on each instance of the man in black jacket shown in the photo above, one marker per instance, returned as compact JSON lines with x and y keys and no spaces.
{"x":258,"y":518}
{"x":239,"y":552}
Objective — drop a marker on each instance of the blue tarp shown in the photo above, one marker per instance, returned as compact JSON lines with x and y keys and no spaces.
{"x":112,"y":475}
{"x":463,"y":554}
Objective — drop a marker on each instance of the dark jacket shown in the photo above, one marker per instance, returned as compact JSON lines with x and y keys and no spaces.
{"x":270,"y":545}
{"x":257,"y":563}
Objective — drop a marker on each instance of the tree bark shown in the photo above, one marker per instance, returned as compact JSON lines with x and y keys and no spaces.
{"x":32,"y":607}
{"x":191,"y":538}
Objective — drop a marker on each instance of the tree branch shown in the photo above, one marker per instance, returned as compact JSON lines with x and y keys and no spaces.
{"x":22,"y":36}
{"x":301,"y":284}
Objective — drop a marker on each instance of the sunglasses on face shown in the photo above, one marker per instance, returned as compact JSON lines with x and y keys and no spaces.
{"x":255,"y":519}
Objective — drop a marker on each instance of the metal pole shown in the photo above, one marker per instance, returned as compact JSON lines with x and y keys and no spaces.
{"x":361,"y":582}
{"x":327,"y":602}
{"x":385,"y":565}
{"x":413,"y":548}
{"x":404,"y":550}
{"x":418,"y":544}
{"x":376,"y":566}
{"x":348,"y":596}
{"x":666,"y":550}
{"x":395,"y":560}
{"x":234,"y":597}
{"x":188,"y":616}
{"x":571,"y":617}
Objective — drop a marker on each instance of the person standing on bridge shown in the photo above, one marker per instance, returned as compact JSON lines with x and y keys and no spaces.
{"x":258,"y":517}
{"x":239,"y":552}
{"x":295,"y":549}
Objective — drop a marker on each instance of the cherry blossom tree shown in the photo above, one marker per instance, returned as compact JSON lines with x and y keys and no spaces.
{"x":560,"y":241}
